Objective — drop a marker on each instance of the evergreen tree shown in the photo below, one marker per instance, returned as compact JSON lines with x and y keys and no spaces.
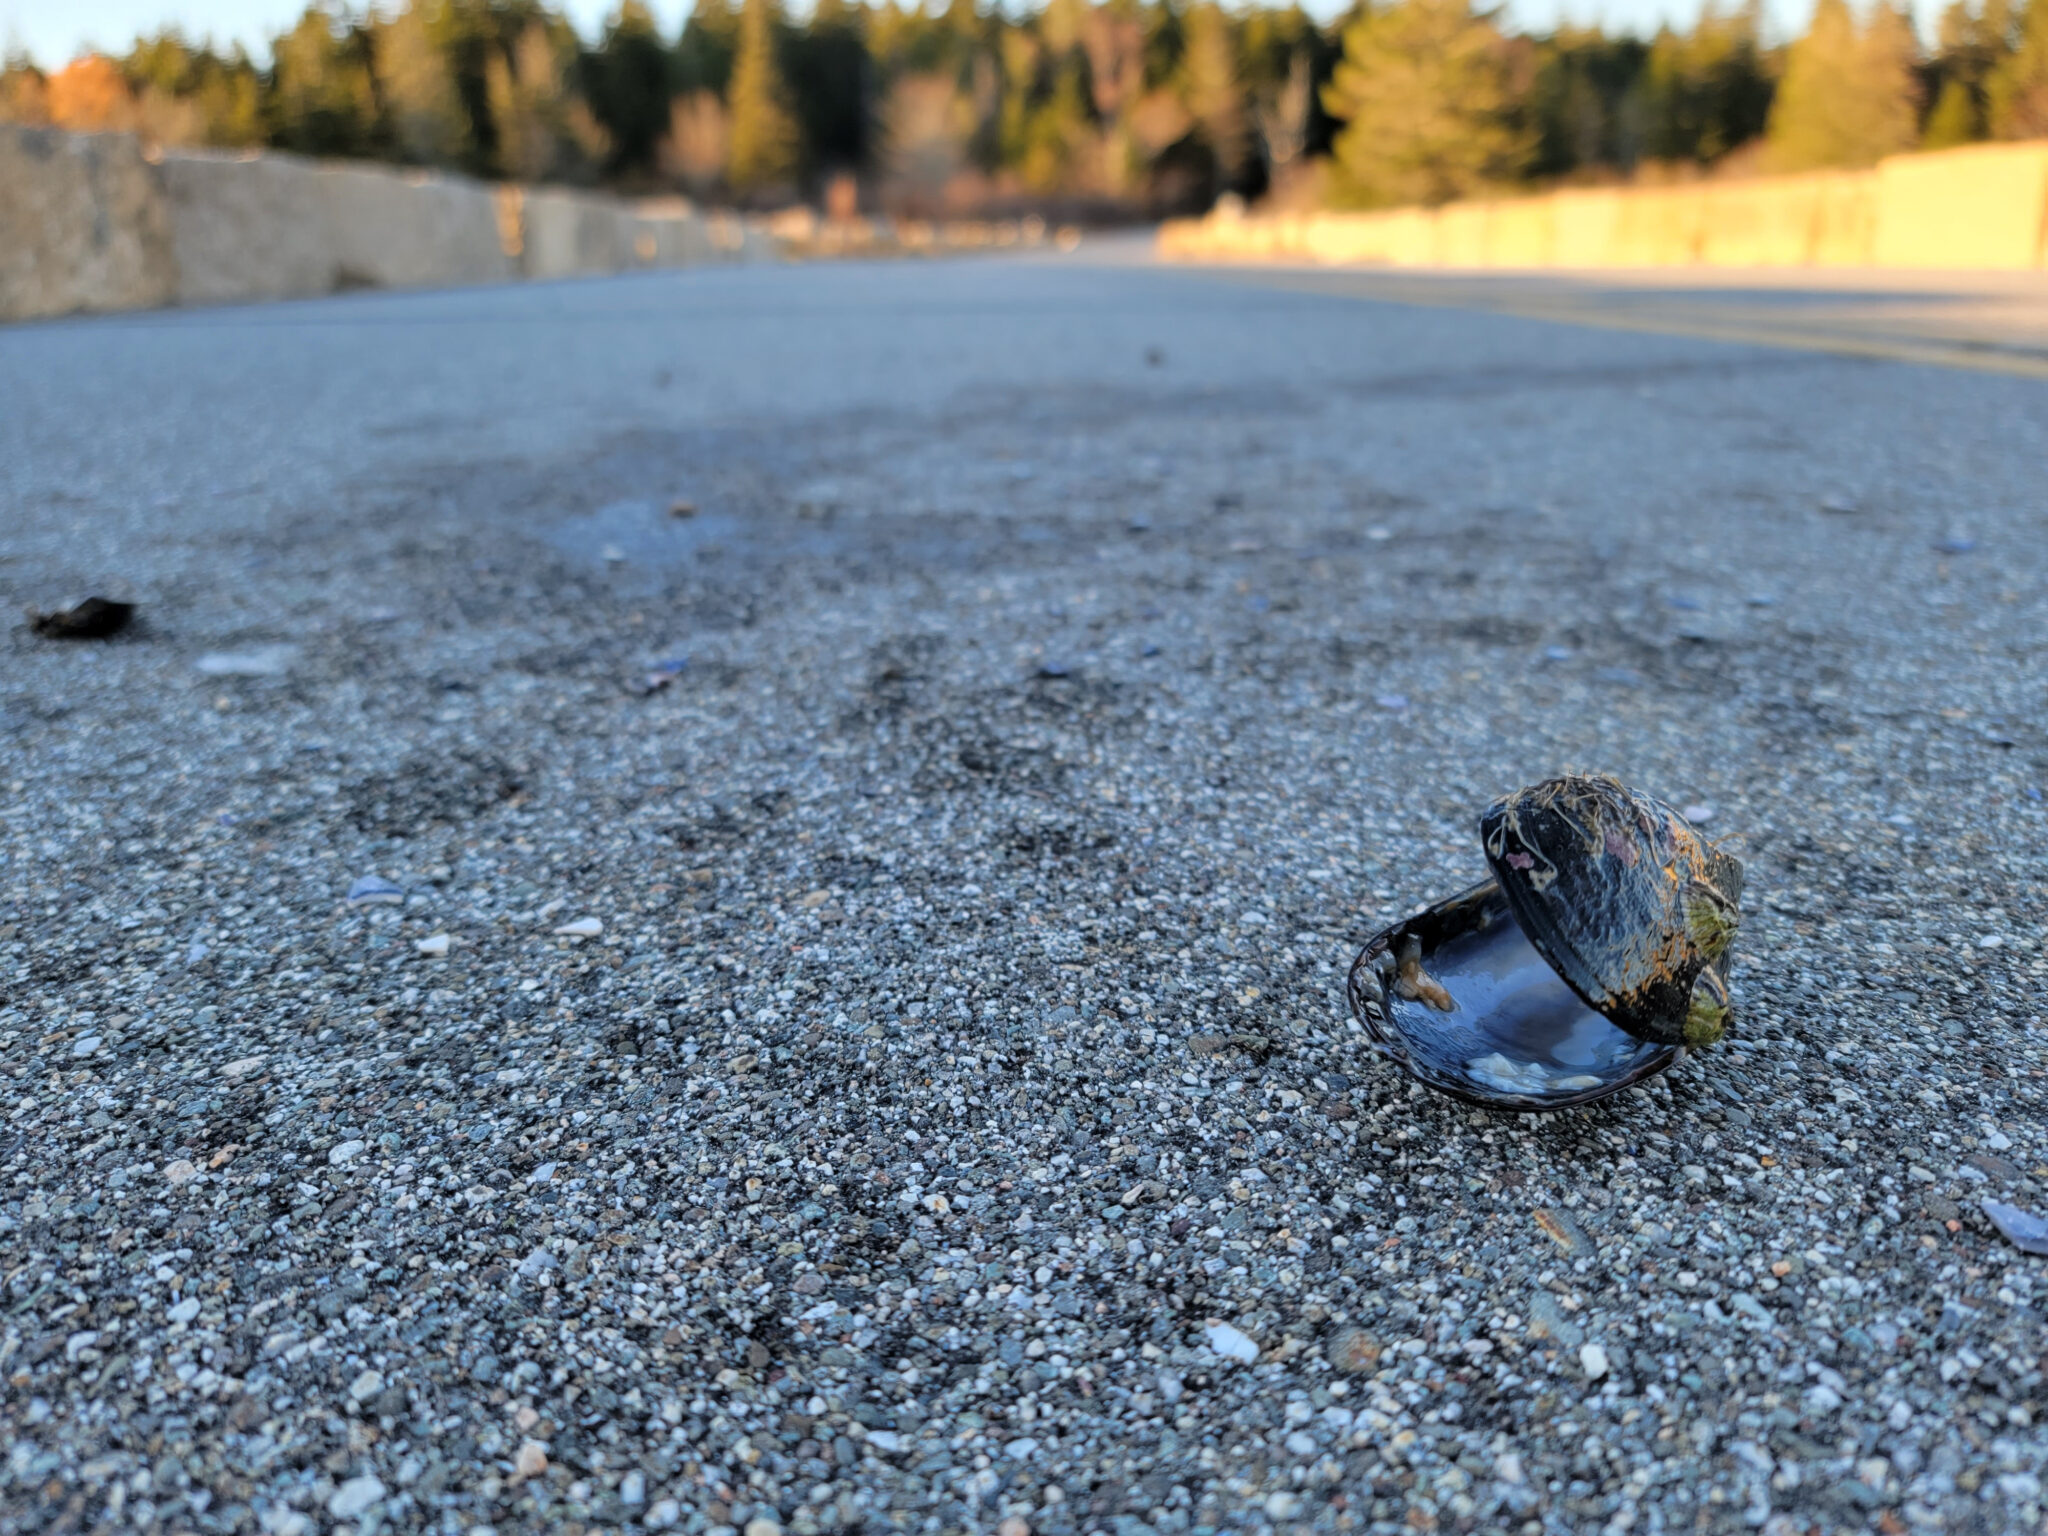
{"x":1969,"y":45}
{"x":1850,"y":95}
{"x":417,"y":89}
{"x":2016,"y":90}
{"x":323,"y":100}
{"x":763,"y":147}
{"x":538,"y":130}
{"x":705,"y":51}
{"x":1210,"y":87}
{"x":629,"y":81}
{"x":1707,"y":91}
{"x":1425,"y":93}
{"x":1586,"y":102}
{"x":829,"y":79}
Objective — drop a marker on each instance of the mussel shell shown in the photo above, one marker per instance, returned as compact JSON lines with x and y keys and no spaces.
{"x":1634,"y":909}
{"x":1516,"y":1037}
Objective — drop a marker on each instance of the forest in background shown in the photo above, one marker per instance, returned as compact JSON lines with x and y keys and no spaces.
{"x":1084,"y":108}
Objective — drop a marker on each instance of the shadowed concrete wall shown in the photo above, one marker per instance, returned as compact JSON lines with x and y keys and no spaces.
{"x":82,"y":225}
{"x":90,"y":223}
{"x":1981,"y":208}
{"x":278,"y":227}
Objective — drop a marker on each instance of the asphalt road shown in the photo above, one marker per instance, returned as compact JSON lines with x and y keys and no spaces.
{"x":954,"y":1119}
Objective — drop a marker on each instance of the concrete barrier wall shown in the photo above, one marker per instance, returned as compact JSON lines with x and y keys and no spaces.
{"x":274,"y":227}
{"x":1984,"y":207}
{"x":82,"y":225}
{"x":90,"y":223}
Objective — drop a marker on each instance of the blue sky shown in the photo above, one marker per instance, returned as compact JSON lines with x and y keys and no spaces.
{"x":53,"y":30}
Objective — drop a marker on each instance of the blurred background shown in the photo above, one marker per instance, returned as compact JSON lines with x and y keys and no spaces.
{"x":1098,"y":111}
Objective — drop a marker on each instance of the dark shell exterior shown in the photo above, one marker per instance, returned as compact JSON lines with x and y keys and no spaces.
{"x":1629,"y":904}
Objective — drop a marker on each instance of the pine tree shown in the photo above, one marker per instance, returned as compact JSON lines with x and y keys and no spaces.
{"x":323,"y":100}
{"x":762,"y":153}
{"x":629,"y":81}
{"x":1425,"y":92}
{"x":1850,"y":95}
{"x":1209,"y":85}
{"x":417,"y":88}
{"x":531,"y":106}
{"x":1705,"y":92}
{"x":2016,"y":92}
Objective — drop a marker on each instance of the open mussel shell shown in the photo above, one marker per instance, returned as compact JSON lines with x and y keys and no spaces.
{"x":1593,"y":960}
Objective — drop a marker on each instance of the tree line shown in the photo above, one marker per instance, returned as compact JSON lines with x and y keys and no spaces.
{"x":1106,"y":106}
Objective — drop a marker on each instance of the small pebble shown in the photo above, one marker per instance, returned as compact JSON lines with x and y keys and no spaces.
{"x":532,"y":1459}
{"x":1230,"y":1342}
{"x":375,"y":890}
{"x":183,"y":1311}
{"x":1354,"y":1352}
{"x":354,"y":1497}
{"x":1593,"y":1361}
{"x":344,"y":1153}
{"x":180,"y":1171}
{"x":262,"y":661}
{"x":436,"y":945}
{"x":582,"y":928}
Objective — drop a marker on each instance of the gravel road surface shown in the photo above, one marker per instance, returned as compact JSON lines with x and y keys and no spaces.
{"x":840,"y":1026}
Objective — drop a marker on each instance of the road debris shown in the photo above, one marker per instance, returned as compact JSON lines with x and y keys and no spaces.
{"x":1619,"y":913}
{"x":2023,"y":1229}
{"x":97,"y":618}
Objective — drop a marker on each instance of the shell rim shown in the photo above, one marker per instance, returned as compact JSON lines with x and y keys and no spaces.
{"x":1360,"y":988}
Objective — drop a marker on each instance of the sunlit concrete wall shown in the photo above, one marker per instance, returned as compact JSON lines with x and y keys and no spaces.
{"x":269,"y":227}
{"x":82,"y":225}
{"x":91,"y":223}
{"x":1984,"y":207}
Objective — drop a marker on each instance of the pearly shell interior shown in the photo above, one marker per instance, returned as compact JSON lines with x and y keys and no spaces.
{"x":1516,"y":1036}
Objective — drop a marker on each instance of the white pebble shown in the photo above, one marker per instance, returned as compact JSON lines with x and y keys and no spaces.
{"x":633,"y":1488}
{"x":1169,"y":1387}
{"x":664,"y":1515}
{"x":437,"y":945}
{"x":1593,"y":1360}
{"x":582,"y":928}
{"x":1231,"y":1343}
{"x":1282,"y":1506}
{"x":367,"y":1385}
{"x":184,"y":1311}
{"x":355,"y":1497}
{"x":346,"y":1153}
{"x":180,"y":1172}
